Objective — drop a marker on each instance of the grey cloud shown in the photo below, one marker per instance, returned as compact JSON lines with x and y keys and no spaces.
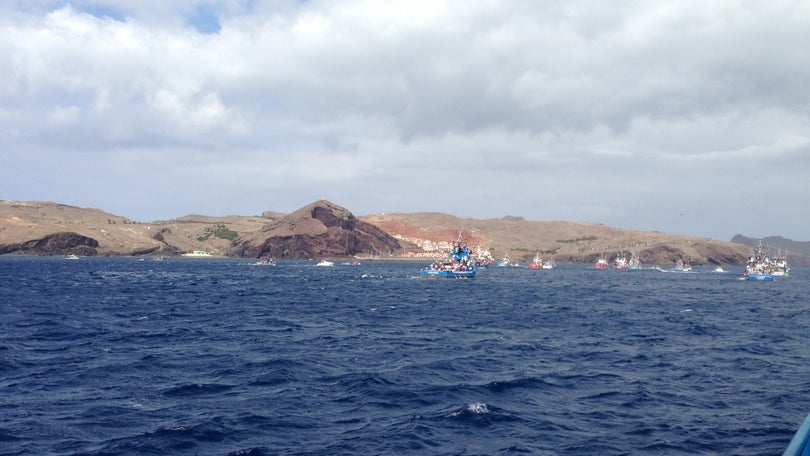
{"x":614,"y":113}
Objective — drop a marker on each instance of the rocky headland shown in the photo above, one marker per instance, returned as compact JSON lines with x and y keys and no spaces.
{"x":324,"y":229}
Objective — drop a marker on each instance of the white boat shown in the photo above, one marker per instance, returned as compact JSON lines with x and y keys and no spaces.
{"x":780,"y":265}
{"x":621,"y":262}
{"x":680,"y":266}
{"x":634,"y":262}
{"x":72,"y":257}
{"x":197,"y":254}
{"x":719,"y":269}
{"x":760,"y":266}
{"x":265,"y":261}
{"x":549,"y":264}
{"x":325,"y":263}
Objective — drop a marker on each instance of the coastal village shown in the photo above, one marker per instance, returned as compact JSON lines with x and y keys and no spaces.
{"x":432,"y":249}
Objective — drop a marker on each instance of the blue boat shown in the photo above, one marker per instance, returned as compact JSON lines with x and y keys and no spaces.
{"x":460,"y":263}
{"x":760,"y":266}
{"x":800,"y":444}
{"x":758,"y":276}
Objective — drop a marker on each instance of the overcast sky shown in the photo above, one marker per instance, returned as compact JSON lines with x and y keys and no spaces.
{"x":688,"y":117}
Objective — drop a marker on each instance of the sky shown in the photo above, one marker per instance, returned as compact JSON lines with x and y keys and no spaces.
{"x":685,"y":117}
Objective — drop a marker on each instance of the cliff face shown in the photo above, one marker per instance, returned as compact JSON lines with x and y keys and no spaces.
{"x":320,"y":229}
{"x":54,"y":244}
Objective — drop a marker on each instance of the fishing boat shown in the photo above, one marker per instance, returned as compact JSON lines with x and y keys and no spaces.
{"x":759,"y":266}
{"x":537,"y":262}
{"x":634,"y":262}
{"x":265,"y":261}
{"x":620,"y":262}
{"x":482,"y":257}
{"x":601,"y":263}
{"x":549,"y":264}
{"x":506,"y":261}
{"x":460,"y":263}
{"x":780,"y":266}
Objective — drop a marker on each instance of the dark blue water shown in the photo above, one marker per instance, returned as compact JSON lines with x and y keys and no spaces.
{"x":119,"y":356}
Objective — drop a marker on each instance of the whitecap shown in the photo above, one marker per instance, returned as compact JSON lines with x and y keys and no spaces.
{"x":474,"y":408}
{"x":478,"y":407}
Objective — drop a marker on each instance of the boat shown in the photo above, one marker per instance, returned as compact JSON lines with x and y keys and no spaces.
{"x":265,"y":261}
{"x":680,"y":266}
{"x":780,"y":266}
{"x":719,"y":269}
{"x":537,"y":262}
{"x":800,"y":443}
{"x":549,"y":264}
{"x":197,"y":254}
{"x":634,"y":262}
{"x":620,"y":262}
{"x":72,"y":257}
{"x":325,"y":263}
{"x":460,"y":263}
{"x":601,"y":263}
{"x":506,"y":262}
{"x":759,"y":266}
{"x":482,"y":257}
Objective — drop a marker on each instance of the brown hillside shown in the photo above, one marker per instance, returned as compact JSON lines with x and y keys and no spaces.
{"x":325,"y":229}
{"x":45,"y":228}
{"x":567,"y":241}
{"x":319,"y":229}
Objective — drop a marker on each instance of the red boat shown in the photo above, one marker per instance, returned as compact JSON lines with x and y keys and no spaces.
{"x":537,"y":262}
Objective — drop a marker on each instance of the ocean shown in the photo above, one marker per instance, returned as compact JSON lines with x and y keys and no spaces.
{"x":109,"y":356}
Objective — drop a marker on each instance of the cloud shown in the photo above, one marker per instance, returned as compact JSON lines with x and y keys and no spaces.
{"x":552,"y":111}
